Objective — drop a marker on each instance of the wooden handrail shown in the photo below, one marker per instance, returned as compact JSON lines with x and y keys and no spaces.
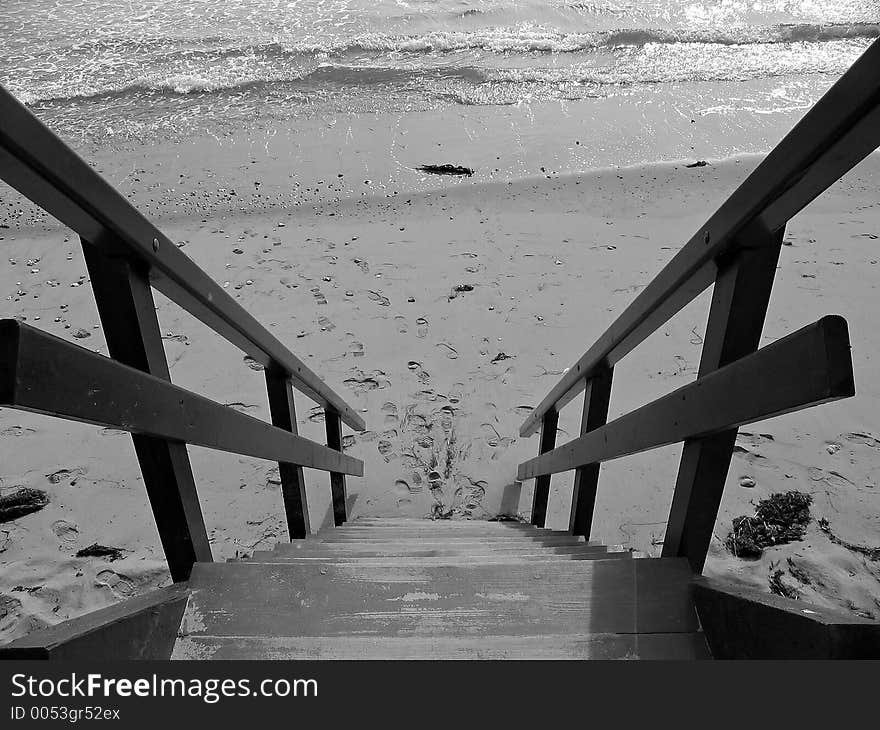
{"x":758,"y":386}
{"x":45,"y":374}
{"x":837,"y":133}
{"x":42,"y":167}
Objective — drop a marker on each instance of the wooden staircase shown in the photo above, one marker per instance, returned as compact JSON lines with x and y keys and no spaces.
{"x":415,"y":589}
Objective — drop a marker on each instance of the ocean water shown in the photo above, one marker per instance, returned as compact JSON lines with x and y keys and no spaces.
{"x":105,"y":69}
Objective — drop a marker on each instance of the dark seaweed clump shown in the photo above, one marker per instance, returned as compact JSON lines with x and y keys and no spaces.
{"x":779,"y":519}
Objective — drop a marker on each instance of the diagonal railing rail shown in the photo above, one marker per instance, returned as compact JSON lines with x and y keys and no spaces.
{"x":127,"y":256}
{"x":737,"y":250}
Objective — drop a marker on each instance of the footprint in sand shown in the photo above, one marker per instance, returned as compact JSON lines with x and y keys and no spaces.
{"x":404,"y":488}
{"x":417,"y":424}
{"x":15,"y":431}
{"x":66,"y":475}
{"x":831,"y":478}
{"x":400,"y":321}
{"x":318,"y":295}
{"x":379,"y":298}
{"x":389,"y":412}
{"x":362,"y":265}
{"x":65,"y":531}
{"x":449,"y":350}
{"x":386,"y":449}
{"x":863,"y":439}
{"x":120,"y":585}
{"x":423,"y":375}
{"x":422,"y":324}
{"x":455,"y":393}
{"x":348,"y":442}
{"x":361,"y":382}
{"x":326,"y":325}
{"x":355,"y":347}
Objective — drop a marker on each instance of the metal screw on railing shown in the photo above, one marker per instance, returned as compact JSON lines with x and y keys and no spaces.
{"x":155,"y":245}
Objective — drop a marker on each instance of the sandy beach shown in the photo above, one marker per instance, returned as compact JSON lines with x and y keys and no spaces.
{"x":444,"y":309}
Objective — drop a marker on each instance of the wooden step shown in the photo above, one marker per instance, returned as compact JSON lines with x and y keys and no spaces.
{"x":254,"y":610}
{"x":677,"y":646}
{"x":407,"y":560}
{"x":466,"y":540}
{"x":391,"y":548}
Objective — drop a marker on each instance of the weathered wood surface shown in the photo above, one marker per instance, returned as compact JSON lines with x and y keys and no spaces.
{"x":743,"y":623}
{"x":676,"y":646}
{"x":740,"y":300}
{"x":391,"y":548}
{"x":473,"y":541}
{"x":45,"y":374}
{"x":144,"y":627}
{"x":809,"y":367}
{"x":338,"y":495}
{"x":293,"y":484}
{"x":131,"y":328}
{"x":460,"y":597}
{"x":597,"y":397}
{"x":601,"y":596}
{"x":541,"y":492}
{"x":465,"y":560}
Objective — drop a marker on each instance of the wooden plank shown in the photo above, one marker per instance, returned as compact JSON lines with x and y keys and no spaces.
{"x":586,"y":478}
{"x":736,"y":319}
{"x":44,"y":374}
{"x":841,"y":129}
{"x":392,"y":549}
{"x":541,"y":494}
{"x":333,"y":426}
{"x":359,"y":532}
{"x":440,"y":560}
{"x":144,"y":627}
{"x":809,"y":367}
{"x":573,"y":646}
{"x":575,"y":596}
{"x":463,"y":542}
{"x":42,"y":167}
{"x":588,"y":596}
{"x":128,"y":317}
{"x":744,"y":623}
{"x":293,"y":484}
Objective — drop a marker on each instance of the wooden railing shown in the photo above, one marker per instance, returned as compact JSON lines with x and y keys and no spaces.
{"x":127,"y":256}
{"x":737,"y":250}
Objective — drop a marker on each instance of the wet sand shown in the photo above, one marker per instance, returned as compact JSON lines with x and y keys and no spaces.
{"x":444,"y":315}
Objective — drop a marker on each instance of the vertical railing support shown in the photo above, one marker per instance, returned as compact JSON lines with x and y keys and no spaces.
{"x":541,"y":494}
{"x":736,"y":319}
{"x":131,"y":329}
{"x":337,"y":481}
{"x":293,"y":485}
{"x":597,"y":395}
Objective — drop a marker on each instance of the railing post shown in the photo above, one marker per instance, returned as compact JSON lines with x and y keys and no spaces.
{"x":549,"y":424}
{"x":736,"y":318}
{"x":597,"y":395}
{"x":293,"y":485}
{"x":131,"y":329}
{"x":333,"y":424}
